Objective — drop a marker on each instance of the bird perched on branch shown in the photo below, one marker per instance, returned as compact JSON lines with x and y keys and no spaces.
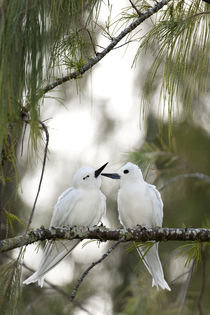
{"x":82,"y":204}
{"x":140,"y":203}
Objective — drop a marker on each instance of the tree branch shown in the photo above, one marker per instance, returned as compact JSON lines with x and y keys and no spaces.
{"x":79,"y":281}
{"x":104,"y":234}
{"x":114,"y":42}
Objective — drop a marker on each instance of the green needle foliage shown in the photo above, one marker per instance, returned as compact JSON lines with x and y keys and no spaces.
{"x":10,"y":220}
{"x":194,"y":252}
{"x":179,"y":41}
{"x":36,"y":39}
{"x":10,"y":289}
{"x":29,"y":35}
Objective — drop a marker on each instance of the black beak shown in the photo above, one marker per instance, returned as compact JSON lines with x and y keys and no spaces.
{"x":98,"y":171}
{"x":111,"y":175}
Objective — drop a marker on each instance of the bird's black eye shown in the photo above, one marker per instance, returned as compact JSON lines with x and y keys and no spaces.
{"x":86,"y":177}
{"x":126,"y":171}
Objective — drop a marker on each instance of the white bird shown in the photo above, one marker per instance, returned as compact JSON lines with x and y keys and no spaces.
{"x":140,"y":203}
{"x":83,"y":204}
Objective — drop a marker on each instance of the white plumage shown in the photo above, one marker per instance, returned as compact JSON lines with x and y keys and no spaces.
{"x":140,"y":203}
{"x":82,"y":204}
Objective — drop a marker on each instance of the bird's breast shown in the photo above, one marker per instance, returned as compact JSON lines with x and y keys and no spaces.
{"x":88,"y":209}
{"x":135,"y":207}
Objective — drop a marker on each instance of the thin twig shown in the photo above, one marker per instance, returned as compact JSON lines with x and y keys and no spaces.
{"x":42,"y":173}
{"x":79,"y":281}
{"x":40,"y":182}
{"x":91,"y":39}
{"x":199,"y":176}
{"x":114,"y":42}
{"x":186,"y":288}
{"x":126,"y":43}
{"x":179,"y":277}
{"x":203,"y":281}
{"x":135,"y":8}
{"x":200,"y":13}
{"x":54,"y":287}
{"x":99,"y":46}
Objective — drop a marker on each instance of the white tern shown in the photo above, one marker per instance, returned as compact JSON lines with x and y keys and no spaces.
{"x":83,"y":204}
{"x":140,"y":203}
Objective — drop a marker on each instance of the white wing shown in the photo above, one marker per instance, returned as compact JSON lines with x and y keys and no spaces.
{"x":55,"y":251}
{"x":157,"y":205}
{"x":103,"y":205}
{"x":65,"y":204}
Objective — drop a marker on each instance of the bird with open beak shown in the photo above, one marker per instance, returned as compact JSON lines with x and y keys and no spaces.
{"x":83,"y":204}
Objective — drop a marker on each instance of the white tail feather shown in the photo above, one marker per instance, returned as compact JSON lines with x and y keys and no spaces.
{"x":54,"y":252}
{"x":152,"y":262}
{"x":35,"y":277}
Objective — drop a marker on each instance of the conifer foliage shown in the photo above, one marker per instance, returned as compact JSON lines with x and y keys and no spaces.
{"x":45,"y":43}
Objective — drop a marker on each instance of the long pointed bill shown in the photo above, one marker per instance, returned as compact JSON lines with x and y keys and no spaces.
{"x":98,"y":171}
{"x":111,"y":175}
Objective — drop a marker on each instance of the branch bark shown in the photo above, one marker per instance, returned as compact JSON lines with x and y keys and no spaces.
{"x":104,"y":234}
{"x":114,"y":42}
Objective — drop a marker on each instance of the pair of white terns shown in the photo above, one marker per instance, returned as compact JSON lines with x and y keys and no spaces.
{"x":83,"y":204}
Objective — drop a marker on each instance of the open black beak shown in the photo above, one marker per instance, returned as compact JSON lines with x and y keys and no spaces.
{"x":98,"y":171}
{"x":111,"y":175}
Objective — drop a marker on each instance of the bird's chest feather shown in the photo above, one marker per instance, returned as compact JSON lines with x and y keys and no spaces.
{"x":135,"y":206}
{"x":88,"y":209}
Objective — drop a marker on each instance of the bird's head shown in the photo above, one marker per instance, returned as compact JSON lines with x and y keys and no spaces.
{"x":88,"y":178}
{"x":128,"y":173}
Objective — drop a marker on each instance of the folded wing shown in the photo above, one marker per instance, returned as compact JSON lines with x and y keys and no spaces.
{"x":55,"y":251}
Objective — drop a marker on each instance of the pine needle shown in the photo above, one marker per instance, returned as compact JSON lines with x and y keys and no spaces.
{"x":10,"y":289}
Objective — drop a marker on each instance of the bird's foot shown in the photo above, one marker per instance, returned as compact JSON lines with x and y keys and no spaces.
{"x":140,"y":227}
